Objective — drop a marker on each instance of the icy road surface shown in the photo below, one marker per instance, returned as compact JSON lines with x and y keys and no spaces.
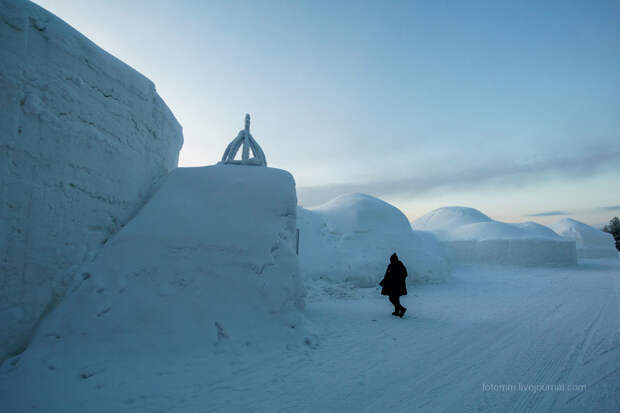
{"x":489,"y":339}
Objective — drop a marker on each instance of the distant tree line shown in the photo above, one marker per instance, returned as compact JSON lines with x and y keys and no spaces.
{"x":614,"y":229}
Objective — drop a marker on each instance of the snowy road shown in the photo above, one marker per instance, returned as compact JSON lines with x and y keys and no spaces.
{"x":470,"y":344}
{"x":489,"y":326}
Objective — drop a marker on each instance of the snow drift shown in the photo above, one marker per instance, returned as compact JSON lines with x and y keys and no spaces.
{"x":351,"y":238}
{"x":208,"y":265}
{"x":591,"y":242}
{"x":467,"y":235}
{"x":83,"y":137}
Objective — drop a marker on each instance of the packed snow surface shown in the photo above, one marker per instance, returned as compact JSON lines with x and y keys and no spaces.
{"x":83,"y":140}
{"x":591,"y":242}
{"x":489,"y":339}
{"x":351,"y":238}
{"x":201,"y":270}
{"x":468,"y":235}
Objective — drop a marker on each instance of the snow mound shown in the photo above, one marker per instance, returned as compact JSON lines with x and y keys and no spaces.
{"x":467,"y":235}
{"x":591,"y":242}
{"x":208,"y":265}
{"x":537,"y":230}
{"x":363,"y":213}
{"x":83,"y":140}
{"x":450,"y":217}
{"x":463,"y":223}
{"x":351,"y":238}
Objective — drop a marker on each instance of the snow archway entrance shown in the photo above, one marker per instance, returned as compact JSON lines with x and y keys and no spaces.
{"x":246,"y":142}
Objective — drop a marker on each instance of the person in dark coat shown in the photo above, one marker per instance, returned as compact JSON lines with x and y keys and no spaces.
{"x":393,"y":284}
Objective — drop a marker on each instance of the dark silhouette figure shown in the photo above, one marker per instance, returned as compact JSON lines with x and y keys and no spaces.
{"x":393,"y":284}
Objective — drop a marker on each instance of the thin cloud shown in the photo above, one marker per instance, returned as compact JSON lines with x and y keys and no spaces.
{"x":549,"y":214}
{"x":577,"y":211}
{"x":610,"y":208}
{"x":577,"y":166}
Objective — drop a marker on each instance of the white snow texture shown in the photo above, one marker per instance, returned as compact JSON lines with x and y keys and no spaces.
{"x":591,"y":242}
{"x":83,"y":137}
{"x":202,"y":269}
{"x":351,"y":238}
{"x":469,"y":236}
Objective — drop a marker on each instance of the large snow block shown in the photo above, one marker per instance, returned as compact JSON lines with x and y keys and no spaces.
{"x":494,"y":251}
{"x":351,"y":238}
{"x":591,"y":242}
{"x":83,"y":138}
{"x":460,"y":251}
{"x":534,"y":252}
{"x":525,"y":252}
{"x":207,"y":267}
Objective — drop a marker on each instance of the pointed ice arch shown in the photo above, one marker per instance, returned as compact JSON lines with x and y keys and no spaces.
{"x":244,"y":141}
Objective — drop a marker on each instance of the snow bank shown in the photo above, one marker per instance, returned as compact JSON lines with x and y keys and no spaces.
{"x":202,"y":269}
{"x":351,"y":238}
{"x":82,"y":138}
{"x":467,"y":235}
{"x":591,"y":242}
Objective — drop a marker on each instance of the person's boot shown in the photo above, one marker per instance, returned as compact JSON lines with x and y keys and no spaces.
{"x":402,"y":312}
{"x":396,"y":313}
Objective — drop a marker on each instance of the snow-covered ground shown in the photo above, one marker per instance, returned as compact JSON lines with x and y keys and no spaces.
{"x":465,"y":345}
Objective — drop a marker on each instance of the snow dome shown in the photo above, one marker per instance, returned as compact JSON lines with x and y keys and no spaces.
{"x":246,"y":142}
{"x":468,"y":235}
{"x":350,"y":238}
{"x":591,"y":242}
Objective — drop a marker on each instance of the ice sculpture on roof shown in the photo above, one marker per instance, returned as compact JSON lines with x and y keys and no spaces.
{"x":244,"y":140}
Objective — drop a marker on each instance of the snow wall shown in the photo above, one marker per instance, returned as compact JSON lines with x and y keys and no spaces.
{"x":207,"y":266}
{"x":83,"y":137}
{"x":351,"y":238}
{"x":591,"y":242}
{"x":469,"y":236}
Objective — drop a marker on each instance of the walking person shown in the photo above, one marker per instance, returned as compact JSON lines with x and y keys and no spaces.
{"x":393,"y":284}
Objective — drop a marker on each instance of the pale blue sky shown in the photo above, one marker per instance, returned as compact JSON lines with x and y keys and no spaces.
{"x":509,"y":107}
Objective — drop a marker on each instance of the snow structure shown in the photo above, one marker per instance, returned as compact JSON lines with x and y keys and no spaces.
{"x":350,"y":239}
{"x":469,"y":236}
{"x":201,"y":270}
{"x":83,"y":139}
{"x":591,"y":242}
{"x":246,"y":142}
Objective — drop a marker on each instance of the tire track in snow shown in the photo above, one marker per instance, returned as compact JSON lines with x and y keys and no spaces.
{"x":557,"y":366}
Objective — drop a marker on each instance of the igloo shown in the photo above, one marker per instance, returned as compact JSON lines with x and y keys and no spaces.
{"x":469,"y":236}
{"x":350,"y":238}
{"x":591,"y":242}
{"x":247,"y":143}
